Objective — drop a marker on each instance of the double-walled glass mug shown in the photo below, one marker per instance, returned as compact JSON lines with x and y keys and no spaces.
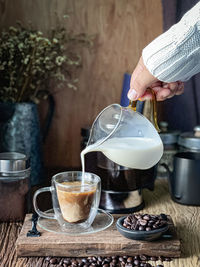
{"x":75,"y":198}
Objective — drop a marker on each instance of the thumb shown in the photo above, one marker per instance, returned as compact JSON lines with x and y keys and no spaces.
{"x":141,"y":79}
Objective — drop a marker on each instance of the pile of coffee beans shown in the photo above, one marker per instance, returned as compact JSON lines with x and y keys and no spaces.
{"x":114,"y":261}
{"x":145,"y":222}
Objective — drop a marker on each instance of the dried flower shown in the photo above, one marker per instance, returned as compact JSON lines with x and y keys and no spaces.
{"x":29,"y":62}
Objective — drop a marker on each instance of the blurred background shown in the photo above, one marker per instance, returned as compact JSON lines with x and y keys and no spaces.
{"x":120,"y":30}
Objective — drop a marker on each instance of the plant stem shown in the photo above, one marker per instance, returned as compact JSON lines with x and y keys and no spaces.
{"x":28,"y":78}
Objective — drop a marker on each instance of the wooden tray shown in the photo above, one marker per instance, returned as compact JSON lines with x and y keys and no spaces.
{"x":106,"y":243}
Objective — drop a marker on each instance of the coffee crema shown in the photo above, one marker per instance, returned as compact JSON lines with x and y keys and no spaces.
{"x":75,"y":200}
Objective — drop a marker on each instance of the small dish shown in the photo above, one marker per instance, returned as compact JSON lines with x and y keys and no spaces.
{"x":102,"y":221}
{"x":140,"y":235}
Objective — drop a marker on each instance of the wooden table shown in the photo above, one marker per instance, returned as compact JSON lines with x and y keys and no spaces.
{"x":186,"y":219}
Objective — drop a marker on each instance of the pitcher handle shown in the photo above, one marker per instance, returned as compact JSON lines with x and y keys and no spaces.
{"x":132,"y":105}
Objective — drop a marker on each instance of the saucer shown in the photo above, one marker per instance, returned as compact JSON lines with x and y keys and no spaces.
{"x":101,"y":222}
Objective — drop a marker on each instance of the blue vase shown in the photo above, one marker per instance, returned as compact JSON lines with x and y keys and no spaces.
{"x":20,"y":132}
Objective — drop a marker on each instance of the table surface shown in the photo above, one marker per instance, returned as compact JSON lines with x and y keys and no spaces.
{"x":186,"y":219}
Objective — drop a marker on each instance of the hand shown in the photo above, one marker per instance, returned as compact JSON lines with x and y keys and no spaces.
{"x":142,"y":79}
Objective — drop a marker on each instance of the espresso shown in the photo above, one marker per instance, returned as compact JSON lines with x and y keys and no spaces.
{"x":75,"y":200}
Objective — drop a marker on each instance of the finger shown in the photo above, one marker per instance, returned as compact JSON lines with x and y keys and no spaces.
{"x":156,"y":84}
{"x":173,"y":86}
{"x":163,"y":94}
{"x":141,"y":79}
{"x":180,"y":86}
{"x":146,"y":96}
{"x":180,"y":92}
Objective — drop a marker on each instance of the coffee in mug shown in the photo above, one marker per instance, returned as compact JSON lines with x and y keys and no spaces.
{"x":75,"y":200}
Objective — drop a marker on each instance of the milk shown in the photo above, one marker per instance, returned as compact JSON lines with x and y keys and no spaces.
{"x":131,"y":152}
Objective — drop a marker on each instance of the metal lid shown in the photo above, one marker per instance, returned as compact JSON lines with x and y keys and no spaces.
{"x":168,"y":137}
{"x":13,"y":161}
{"x":190,"y":140}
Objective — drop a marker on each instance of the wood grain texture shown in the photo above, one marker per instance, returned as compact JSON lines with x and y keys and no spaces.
{"x":108,"y":242}
{"x":121,"y":29}
{"x":186,"y":219}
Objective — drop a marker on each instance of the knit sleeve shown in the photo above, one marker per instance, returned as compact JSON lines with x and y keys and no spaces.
{"x":175,"y":54}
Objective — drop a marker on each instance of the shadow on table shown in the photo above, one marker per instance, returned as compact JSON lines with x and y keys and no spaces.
{"x":159,"y":195}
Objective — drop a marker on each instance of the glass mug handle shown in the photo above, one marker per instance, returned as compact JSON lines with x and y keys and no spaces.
{"x":39,"y":212}
{"x":132,"y":105}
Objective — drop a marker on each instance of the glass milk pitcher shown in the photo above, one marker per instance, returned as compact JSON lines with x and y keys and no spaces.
{"x":126,"y":137}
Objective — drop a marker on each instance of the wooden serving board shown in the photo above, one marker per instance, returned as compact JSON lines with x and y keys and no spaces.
{"x":105,"y":243}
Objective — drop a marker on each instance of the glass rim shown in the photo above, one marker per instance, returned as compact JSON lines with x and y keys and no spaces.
{"x":114,"y":129}
{"x":95,"y":182}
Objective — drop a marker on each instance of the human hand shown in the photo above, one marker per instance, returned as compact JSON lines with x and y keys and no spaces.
{"x":142,"y":79}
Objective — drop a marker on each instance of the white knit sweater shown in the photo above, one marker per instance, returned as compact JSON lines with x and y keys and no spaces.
{"x":175,"y":54}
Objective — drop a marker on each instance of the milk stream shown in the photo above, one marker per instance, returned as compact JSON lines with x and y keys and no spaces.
{"x":130,"y":152}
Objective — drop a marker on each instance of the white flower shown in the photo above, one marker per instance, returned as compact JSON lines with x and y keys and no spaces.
{"x":55,"y":41}
{"x":60,"y":60}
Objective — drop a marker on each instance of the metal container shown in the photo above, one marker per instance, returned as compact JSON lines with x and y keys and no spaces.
{"x":14,"y":186}
{"x":170,"y":142}
{"x":121,"y":186}
{"x":190,"y":141}
{"x":184,"y":180}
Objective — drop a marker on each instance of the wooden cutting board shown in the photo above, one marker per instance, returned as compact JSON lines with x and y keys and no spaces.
{"x":105,"y":243}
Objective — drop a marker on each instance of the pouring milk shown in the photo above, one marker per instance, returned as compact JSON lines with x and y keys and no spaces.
{"x":131,"y":152}
{"x":126,"y":137}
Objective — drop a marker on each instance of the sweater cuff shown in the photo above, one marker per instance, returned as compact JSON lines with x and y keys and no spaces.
{"x":175,"y":54}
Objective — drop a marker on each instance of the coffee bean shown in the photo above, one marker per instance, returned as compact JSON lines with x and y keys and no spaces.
{"x":143,"y":222}
{"x":113,"y":261}
{"x":146,"y":217}
{"x":143,"y":257}
{"x":108,"y":259}
{"x":151,"y":222}
{"x":136,"y":262}
{"x":47,"y":258}
{"x":148,"y":228}
{"x":141,"y":228}
{"x":53,"y":261}
{"x":138,"y":216}
{"x":129,"y":259}
{"x":138,"y":221}
{"x":167,"y":259}
{"x":161,"y":258}
{"x":153,"y":258}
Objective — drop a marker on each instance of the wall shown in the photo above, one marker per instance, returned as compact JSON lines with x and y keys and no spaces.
{"x":121,"y":29}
